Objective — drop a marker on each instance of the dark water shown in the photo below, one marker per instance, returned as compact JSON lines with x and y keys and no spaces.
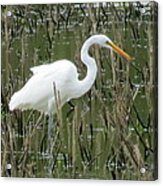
{"x":109,"y":133}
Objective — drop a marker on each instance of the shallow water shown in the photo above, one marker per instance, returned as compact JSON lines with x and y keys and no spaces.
{"x":109,"y":133}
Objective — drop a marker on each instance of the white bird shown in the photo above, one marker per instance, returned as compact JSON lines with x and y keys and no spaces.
{"x":38,"y":92}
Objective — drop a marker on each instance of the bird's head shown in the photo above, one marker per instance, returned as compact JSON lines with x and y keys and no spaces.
{"x":106,"y":42}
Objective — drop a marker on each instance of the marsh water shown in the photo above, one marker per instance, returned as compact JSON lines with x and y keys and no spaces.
{"x":110,"y":132}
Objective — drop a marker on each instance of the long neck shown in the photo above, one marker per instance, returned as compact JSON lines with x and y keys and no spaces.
{"x":90,"y":63}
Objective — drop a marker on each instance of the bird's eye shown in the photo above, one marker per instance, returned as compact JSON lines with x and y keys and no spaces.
{"x":108,"y":43}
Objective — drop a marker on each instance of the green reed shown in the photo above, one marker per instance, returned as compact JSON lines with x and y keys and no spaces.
{"x":108,"y":133}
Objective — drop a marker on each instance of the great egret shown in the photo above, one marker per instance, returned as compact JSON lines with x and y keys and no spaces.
{"x":38,"y":92}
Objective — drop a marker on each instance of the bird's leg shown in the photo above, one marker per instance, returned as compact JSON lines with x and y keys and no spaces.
{"x":50,"y":143}
{"x":50,"y":128}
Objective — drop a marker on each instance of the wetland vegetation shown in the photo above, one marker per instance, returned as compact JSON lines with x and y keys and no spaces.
{"x":109,"y":133}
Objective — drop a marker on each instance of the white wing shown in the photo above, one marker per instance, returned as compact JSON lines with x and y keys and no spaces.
{"x":39,"y":90}
{"x":47,"y":67}
{"x":40,"y":69}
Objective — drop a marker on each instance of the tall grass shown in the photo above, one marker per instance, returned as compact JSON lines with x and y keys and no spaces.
{"x":110,"y":132}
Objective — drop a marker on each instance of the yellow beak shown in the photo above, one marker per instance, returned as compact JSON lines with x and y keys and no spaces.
{"x":120,"y":51}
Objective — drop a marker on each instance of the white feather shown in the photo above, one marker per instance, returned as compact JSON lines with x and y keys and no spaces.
{"x":38,"y":92}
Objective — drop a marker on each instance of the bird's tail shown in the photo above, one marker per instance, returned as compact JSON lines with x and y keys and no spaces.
{"x":15,"y":102}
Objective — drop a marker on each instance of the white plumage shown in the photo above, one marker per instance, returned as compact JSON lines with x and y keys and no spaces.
{"x":38,"y":92}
